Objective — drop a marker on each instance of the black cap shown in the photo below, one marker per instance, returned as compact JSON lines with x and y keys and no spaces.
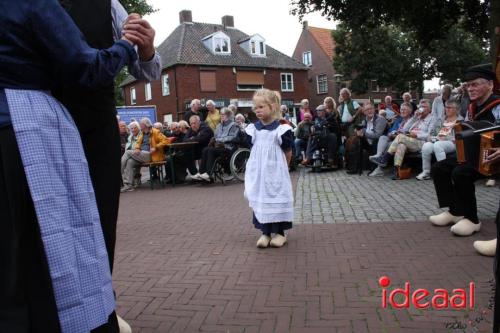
{"x":482,"y":71}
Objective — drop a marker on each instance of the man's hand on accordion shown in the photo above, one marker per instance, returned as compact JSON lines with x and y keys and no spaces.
{"x":493,"y":156}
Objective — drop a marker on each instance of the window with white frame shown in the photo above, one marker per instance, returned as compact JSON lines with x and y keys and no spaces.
{"x":286,"y":82}
{"x":221,"y":45}
{"x":262,"y":48}
{"x":307,"y":58}
{"x":133,"y":96}
{"x":147,"y":91}
{"x":256,"y":45}
{"x":165,"y":87}
{"x":322,"y":83}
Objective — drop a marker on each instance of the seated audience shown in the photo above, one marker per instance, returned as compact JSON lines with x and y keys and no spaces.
{"x":388,"y":109}
{"x":401,"y":125}
{"x":408,"y":99}
{"x":375,"y":126}
{"x":302,"y":133}
{"x":122,"y":126}
{"x":213,"y":115}
{"x":444,"y":142}
{"x":172,"y":129}
{"x":149,"y":147}
{"x":201,"y":134}
{"x":224,"y":142}
{"x":419,"y":131}
{"x":240,"y":120}
{"x":322,"y":136}
{"x":135,"y":130}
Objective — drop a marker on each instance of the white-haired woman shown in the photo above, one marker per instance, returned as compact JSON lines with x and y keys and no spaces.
{"x":213,"y":115}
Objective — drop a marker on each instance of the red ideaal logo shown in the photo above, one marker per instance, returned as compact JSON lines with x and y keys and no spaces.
{"x":440,"y":299}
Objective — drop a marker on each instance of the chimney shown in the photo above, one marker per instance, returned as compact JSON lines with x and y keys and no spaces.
{"x":185,"y":16}
{"x":304,"y":25}
{"x":228,"y":21}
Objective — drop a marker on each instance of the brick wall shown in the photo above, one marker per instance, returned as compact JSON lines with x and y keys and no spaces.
{"x":185,"y":85}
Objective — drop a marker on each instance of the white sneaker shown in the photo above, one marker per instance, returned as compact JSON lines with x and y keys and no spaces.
{"x":263,"y":241}
{"x":490,"y":183}
{"x":278,"y":241}
{"x":378,"y":172}
{"x":444,"y":218}
{"x":127,"y":188}
{"x":371,"y":158}
{"x":424,"y":175}
{"x":204,"y":176}
{"x":465,"y":228}
{"x":486,"y":248}
{"x":190,"y":177}
{"x":124,"y":326}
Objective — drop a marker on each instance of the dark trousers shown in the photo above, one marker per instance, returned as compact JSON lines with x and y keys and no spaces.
{"x":208,"y":157}
{"x":329,"y":141}
{"x":455,"y":188}
{"x":102,"y":150}
{"x":27,"y":301}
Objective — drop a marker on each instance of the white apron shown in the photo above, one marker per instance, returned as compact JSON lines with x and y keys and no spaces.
{"x":268,"y":187}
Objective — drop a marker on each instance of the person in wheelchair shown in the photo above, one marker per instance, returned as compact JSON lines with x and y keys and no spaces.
{"x":323,"y":136}
{"x":224,"y":142}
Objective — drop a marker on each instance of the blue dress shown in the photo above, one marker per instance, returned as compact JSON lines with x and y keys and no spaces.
{"x":39,"y":37}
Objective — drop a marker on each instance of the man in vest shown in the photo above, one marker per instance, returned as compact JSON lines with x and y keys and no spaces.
{"x":455,"y":183}
{"x":102,"y":22}
{"x":351,"y":113}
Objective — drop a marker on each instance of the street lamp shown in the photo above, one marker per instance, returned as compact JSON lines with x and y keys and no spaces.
{"x":338,"y":78}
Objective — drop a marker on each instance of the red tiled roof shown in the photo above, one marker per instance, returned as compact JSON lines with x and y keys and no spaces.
{"x":324,"y":38}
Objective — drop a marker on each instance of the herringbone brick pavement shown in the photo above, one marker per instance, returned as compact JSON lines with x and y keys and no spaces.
{"x":186,"y":261}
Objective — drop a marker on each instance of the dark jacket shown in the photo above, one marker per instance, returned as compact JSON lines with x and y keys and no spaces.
{"x":202,"y":113}
{"x":202,"y":136}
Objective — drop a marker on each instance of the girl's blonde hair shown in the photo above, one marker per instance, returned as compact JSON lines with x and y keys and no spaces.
{"x":271,"y":98}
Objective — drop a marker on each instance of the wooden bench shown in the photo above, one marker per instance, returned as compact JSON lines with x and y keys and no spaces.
{"x":156,"y":172}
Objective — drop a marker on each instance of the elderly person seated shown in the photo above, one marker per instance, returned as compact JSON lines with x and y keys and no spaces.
{"x":444,"y":142}
{"x":224,"y":142}
{"x":122,"y":126}
{"x":172,"y":129}
{"x":419,"y":131}
{"x":401,"y":125}
{"x":135,"y":130}
{"x":240,"y":121}
{"x":304,"y":108}
{"x":375,"y":126}
{"x":158,"y":126}
{"x":302,"y":134}
{"x":149,"y":147}
{"x":201,"y":134}
{"x":213,"y":115}
{"x":388,"y":109}
{"x":323,"y":136}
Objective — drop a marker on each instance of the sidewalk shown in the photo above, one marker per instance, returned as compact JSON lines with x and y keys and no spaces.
{"x":186,"y":261}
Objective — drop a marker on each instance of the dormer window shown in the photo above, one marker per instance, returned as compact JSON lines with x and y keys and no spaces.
{"x":218,"y":43}
{"x":255,"y":45}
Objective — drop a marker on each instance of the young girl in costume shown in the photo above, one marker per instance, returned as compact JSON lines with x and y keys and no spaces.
{"x":268,"y":187}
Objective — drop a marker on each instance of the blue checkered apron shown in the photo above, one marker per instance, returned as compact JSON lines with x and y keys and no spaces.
{"x":64,"y":200}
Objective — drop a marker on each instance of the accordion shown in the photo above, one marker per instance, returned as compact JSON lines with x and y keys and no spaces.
{"x":473,"y":141}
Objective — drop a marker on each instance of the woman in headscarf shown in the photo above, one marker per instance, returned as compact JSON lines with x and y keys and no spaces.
{"x":54,"y":274}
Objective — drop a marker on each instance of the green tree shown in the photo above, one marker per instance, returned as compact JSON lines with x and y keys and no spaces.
{"x":415,"y":40}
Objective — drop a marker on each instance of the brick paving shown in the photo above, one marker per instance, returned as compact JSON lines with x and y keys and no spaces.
{"x":186,"y":260}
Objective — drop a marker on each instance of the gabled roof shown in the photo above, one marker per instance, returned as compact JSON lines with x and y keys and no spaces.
{"x":185,"y":46}
{"x":324,"y":39}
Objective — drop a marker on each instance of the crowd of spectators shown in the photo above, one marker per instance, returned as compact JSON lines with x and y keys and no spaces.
{"x":385,"y":133}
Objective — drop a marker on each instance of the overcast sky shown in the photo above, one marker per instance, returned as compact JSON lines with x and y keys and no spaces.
{"x":269,"y":18}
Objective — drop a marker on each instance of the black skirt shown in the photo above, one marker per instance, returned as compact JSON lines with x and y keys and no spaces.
{"x":271,"y":228}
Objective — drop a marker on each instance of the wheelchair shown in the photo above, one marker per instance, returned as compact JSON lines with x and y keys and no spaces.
{"x":230,"y":166}
{"x":319,"y":160}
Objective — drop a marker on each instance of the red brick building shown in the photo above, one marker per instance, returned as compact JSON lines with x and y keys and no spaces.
{"x":316,"y":49}
{"x":217,"y":62}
